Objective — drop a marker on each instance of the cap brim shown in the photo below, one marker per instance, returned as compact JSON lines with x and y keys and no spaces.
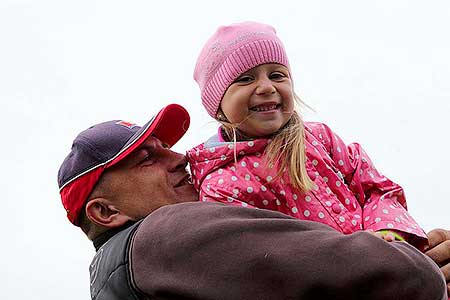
{"x":169,"y":125}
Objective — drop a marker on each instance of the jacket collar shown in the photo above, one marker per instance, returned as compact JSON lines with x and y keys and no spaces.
{"x":104,"y":237}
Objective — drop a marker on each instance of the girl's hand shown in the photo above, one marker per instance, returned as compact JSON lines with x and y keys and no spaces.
{"x":439,"y":251}
{"x":388,"y":235}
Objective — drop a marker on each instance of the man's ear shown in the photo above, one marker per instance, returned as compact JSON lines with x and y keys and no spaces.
{"x":102,"y":212}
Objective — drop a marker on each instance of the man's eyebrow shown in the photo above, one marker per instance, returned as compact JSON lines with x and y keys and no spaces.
{"x":136,"y":153}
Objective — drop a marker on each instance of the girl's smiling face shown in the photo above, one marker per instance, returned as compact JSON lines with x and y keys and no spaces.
{"x":260,"y":101}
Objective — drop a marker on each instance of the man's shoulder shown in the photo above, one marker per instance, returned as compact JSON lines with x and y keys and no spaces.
{"x":113,"y":258}
{"x":182,"y":218}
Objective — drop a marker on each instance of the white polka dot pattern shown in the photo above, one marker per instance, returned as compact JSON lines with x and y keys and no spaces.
{"x":348,"y":194}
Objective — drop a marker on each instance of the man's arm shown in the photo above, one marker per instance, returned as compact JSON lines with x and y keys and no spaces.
{"x":212,"y":251}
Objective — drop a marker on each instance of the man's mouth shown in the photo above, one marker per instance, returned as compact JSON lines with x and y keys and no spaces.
{"x":185,"y":180}
{"x":265,"y":107}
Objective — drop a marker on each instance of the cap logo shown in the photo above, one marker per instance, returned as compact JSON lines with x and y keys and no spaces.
{"x":126,"y":124}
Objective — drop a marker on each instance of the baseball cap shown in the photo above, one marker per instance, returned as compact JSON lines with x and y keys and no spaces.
{"x":104,"y":145}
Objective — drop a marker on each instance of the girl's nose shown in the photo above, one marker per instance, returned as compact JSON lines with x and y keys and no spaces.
{"x":265,"y":86}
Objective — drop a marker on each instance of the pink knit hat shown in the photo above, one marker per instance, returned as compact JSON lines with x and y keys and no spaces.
{"x":231,"y":51}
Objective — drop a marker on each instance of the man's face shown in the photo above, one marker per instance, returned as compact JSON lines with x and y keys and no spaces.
{"x":148,"y":178}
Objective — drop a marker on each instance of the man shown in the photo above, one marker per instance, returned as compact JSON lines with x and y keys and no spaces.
{"x":124,"y":187}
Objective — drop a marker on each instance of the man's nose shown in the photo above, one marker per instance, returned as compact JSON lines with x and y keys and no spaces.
{"x":177,"y":161}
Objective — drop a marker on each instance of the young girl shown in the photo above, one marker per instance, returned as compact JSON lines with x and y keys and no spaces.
{"x":265,"y":156}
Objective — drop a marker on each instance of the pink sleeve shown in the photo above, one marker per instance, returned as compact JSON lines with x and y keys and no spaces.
{"x":216,"y":188}
{"x":383,"y":201}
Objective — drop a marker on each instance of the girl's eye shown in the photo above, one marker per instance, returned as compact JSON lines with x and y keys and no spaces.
{"x":244,"y":79}
{"x":277,"y":76}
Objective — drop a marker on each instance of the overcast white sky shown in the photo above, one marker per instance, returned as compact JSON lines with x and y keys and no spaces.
{"x":377,"y":72}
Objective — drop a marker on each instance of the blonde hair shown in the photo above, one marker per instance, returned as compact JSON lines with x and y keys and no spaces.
{"x":286,"y":150}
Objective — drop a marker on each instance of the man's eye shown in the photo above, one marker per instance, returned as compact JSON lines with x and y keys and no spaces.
{"x":148,"y":159}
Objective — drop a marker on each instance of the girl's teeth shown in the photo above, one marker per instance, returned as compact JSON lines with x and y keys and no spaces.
{"x":265,"y":108}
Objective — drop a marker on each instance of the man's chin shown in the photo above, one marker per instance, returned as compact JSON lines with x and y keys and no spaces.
{"x":186,"y":193}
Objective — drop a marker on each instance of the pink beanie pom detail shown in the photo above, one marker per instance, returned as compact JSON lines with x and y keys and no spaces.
{"x":231,"y":51}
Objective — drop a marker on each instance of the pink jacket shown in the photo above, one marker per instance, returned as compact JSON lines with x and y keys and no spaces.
{"x":349,"y":193}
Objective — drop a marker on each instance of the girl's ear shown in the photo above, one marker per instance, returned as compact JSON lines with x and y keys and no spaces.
{"x":221,"y":116}
{"x":102,"y":212}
